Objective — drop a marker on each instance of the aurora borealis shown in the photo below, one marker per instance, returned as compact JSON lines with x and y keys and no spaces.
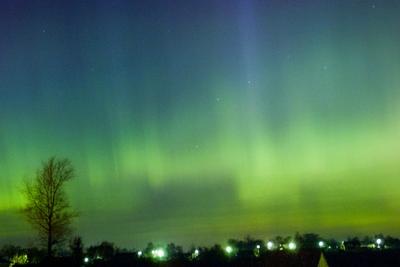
{"x":196,"y":121}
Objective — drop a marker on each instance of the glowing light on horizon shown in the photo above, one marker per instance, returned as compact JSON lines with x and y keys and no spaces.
{"x":292,"y":246}
{"x":158,"y":253}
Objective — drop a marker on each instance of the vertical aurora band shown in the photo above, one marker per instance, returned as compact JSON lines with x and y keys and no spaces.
{"x":197,"y":121}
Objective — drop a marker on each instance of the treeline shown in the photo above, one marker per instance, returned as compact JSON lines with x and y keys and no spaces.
{"x":247,"y":249}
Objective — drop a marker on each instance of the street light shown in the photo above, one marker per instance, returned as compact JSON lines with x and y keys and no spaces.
{"x":161,"y":253}
{"x":321,"y":244}
{"x":229,"y":249}
{"x":158,"y":253}
{"x":292,"y":246}
{"x":270,"y":245}
{"x":196,"y":253}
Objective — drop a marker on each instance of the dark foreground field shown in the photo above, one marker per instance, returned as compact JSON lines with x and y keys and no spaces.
{"x":275,"y":259}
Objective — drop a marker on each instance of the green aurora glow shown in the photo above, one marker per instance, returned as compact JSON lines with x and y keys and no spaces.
{"x":195,"y":122}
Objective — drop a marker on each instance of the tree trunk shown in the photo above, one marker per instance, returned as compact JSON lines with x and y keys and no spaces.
{"x":49,"y":244}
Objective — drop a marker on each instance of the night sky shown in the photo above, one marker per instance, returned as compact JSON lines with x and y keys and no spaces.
{"x":196,"y":121}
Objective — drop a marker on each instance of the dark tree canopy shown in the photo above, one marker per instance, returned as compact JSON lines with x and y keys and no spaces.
{"x":76,"y":247}
{"x":105,"y":251}
{"x":47,"y":207}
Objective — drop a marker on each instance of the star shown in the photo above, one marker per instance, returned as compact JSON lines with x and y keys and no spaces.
{"x":251,"y":84}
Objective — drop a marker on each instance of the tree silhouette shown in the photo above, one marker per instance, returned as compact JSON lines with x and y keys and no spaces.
{"x":174,"y":252}
{"x":352,"y":243}
{"x":8,"y":251}
{"x":247,"y":248}
{"x":104,"y":251}
{"x":392,"y":242}
{"x":148,"y":250}
{"x":307,"y":240}
{"x":76,"y":247}
{"x":47,"y":208}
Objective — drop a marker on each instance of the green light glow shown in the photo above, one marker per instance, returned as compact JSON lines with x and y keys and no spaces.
{"x":196,"y":129}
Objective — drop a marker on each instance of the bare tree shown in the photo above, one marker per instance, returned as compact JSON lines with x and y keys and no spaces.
{"x":47,"y":208}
